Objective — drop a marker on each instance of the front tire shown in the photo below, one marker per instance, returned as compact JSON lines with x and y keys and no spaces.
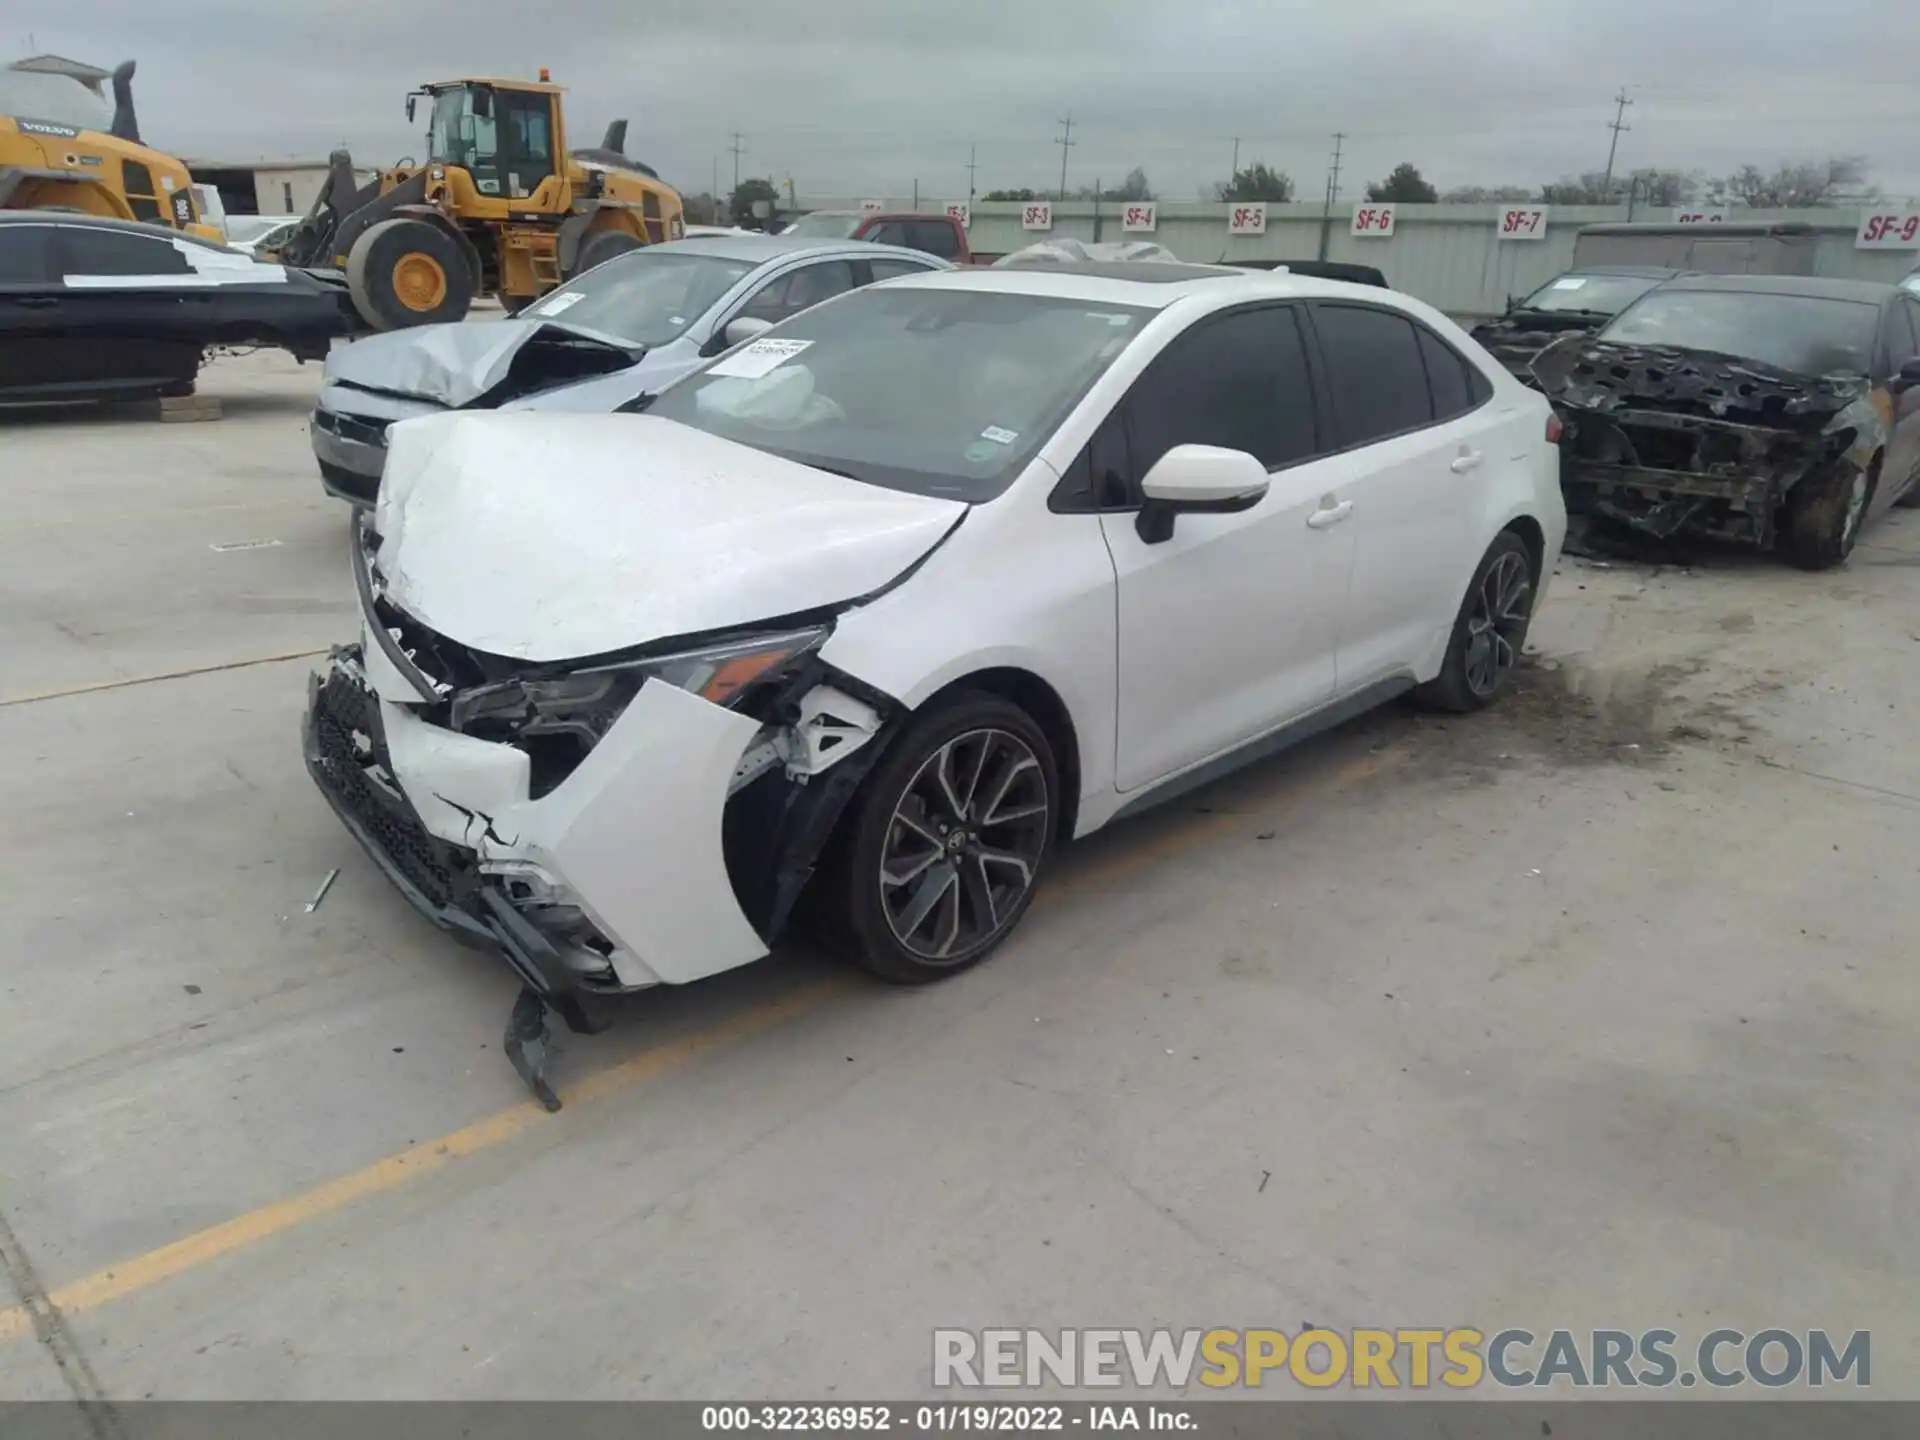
{"x":948,"y":838}
{"x":1823,"y":515}
{"x":1490,"y":631}
{"x":600,"y":247}
{"x":409,"y":272}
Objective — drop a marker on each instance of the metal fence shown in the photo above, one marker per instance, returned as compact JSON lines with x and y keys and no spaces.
{"x":1451,"y":256}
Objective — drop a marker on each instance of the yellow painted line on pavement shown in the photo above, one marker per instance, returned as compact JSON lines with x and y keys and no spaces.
{"x":164,"y":675}
{"x":143,"y":1271}
{"x":244,"y":1231}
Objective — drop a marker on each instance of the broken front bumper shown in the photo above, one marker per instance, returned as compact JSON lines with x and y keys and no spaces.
{"x":613,"y":881}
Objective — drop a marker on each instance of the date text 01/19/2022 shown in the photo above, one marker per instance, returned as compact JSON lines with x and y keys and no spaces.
{"x":943,"y":1419}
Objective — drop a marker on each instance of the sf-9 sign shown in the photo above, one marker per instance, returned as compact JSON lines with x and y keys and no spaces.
{"x":1374,"y":220}
{"x":1139,"y":217}
{"x":1715,"y":215}
{"x":1523,"y":222}
{"x":1889,"y":230}
{"x":1037,"y":216}
{"x":1247,"y":219}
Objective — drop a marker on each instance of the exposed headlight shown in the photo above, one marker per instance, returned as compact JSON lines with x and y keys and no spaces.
{"x":587,"y":702}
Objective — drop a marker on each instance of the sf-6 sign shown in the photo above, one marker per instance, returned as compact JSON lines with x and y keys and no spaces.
{"x":1889,"y":230}
{"x":1523,"y":222}
{"x":1373,"y":220}
{"x":1037,"y":215}
{"x":1139,"y":217}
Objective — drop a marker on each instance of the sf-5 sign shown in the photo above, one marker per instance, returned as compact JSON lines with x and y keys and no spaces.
{"x":1037,"y":215}
{"x":1373,"y":220}
{"x":1250,"y":219}
{"x":1889,"y":230}
{"x":1139,"y":217}
{"x":1523,"y":222}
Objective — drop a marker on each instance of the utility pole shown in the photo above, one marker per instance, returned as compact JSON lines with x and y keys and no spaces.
{"x":1236,"y":160}
{"x":715,"y":192}
{"x":736,"y":147}
{"x":1333,"y":193}
{"x":971,"y":167}
{"x":1066,"y":142}
{"x":1617,"y":124}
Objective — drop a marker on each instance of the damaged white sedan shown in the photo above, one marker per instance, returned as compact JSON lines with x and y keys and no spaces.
{"x":879,"y":609}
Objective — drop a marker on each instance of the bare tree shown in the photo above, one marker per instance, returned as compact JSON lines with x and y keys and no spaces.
{"x":1796,"y":187}
{"x":1487,"y":194}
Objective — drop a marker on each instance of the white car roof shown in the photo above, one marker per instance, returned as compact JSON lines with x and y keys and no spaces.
{"x":1148,"y":284}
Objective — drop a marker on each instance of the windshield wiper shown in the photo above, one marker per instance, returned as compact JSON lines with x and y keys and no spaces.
{"x":828,"y":469}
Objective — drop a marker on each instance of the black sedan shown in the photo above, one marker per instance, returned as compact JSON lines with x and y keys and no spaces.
{"x":92,"y":308}
{"x":1579,"y":300}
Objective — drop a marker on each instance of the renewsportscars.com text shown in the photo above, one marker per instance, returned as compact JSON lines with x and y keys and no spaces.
{"x":1415,"y":1359}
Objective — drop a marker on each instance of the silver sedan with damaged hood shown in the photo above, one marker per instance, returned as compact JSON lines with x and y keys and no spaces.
{"x":875,"y":611}
{"x":626,"y":328}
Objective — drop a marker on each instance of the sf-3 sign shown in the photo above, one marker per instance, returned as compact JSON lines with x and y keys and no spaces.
{"x":1373,"y":220}
{"x":1037,"y":215}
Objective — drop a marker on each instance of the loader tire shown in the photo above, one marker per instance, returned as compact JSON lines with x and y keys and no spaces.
{"x":602,"y":245}
{"x":408,"y":272}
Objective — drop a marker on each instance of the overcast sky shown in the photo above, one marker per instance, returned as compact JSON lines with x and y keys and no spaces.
{"x":863,"y":97}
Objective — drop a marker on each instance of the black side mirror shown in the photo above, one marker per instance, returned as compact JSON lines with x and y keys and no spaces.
{"x":410,"y":103}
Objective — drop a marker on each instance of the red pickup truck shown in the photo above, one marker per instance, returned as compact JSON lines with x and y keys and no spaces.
{"x":936,"y":234}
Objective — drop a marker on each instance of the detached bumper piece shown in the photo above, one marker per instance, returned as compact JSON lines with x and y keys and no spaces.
{"x":346,"y":754}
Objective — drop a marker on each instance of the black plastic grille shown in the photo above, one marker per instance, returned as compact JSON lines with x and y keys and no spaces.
{"x":340,"y":708}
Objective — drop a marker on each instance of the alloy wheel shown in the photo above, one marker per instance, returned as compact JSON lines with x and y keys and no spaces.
{"x":963,"y":845}
{"x":1497,"y":624}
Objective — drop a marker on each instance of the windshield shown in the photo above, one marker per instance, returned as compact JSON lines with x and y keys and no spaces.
{"x":825,"y":225}
{"x":939,"y":392}
{"x":1807,"y":333}
{"x":645,"y":297}
{"x":1589,"y":294}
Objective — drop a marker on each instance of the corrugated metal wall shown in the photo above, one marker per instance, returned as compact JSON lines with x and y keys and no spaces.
{"x":1451,"y":256}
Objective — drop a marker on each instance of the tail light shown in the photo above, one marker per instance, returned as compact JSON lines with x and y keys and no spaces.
{"x":1555,"y":429}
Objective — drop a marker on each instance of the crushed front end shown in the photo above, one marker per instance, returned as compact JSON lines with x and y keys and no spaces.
{"x":1670,"y":442}
{"x":1515,"y":339}
{"x":606,"y":824}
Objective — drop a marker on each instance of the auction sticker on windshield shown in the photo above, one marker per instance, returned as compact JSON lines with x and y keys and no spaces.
{"x":759,"y":358}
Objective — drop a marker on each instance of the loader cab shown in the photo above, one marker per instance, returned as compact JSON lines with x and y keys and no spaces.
{"x":506,"y":137}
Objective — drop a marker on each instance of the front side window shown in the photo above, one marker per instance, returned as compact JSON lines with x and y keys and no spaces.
{"x":1808,"y":334}
{"x":894,"y":269}
{"x":787,"y":295}
{"x":26,"y":255}
{"x":88,"y":252}
{"x":1374,"y":372}
{"x":1239,"y":382}
{"x":933,"y":236}
{"x":645,"y":297}
{"x":891,"y":233}
{"x":938,"y":392}
{"x":825,"y":225}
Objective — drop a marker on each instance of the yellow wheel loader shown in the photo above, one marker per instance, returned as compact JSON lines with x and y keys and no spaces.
{"x":499,"y":207}
{"x":57,"y":154}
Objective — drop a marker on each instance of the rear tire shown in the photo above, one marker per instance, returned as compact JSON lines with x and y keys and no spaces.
{"x":601,"y":246}
{"x":1823,"y":514}
{"x":948,"y":838}
{"x":405,"y":272}
{"x":1489,"y":632}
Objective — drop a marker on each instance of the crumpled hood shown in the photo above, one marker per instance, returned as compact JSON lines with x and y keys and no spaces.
{"x":556,"y":536}
{"x":1581,"y":373}
{"x":455,"y":365}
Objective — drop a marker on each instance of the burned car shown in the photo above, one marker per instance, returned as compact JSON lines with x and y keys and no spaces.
{"x":1776,"y":411}
{"x":1578,"y":301}
{"x":626,"y":328}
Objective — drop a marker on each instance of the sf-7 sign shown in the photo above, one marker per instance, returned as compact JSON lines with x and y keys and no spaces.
{"x":1374,"y":220}
{"x":1523,"y":222}
{"x":1889,"y":230}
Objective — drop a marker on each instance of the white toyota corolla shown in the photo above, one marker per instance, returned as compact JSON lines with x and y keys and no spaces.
{"x":884,"y":606}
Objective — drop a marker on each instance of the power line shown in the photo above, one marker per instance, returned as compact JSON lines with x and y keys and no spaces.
{"x":1066,"y":142}
{"x":1617,"y":124}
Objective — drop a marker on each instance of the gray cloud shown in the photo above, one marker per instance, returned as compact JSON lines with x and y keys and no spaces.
{"x":866,"y":96}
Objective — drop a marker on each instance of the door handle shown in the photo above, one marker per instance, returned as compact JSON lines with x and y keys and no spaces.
{"x":36,"y":302}
{"x":1329,"y":514}
{"x":1466,"y":460}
